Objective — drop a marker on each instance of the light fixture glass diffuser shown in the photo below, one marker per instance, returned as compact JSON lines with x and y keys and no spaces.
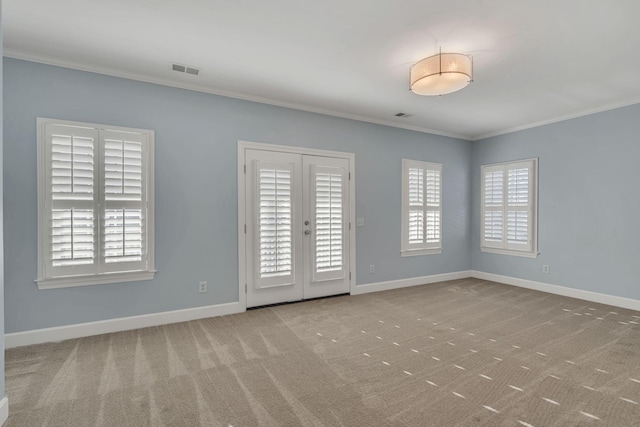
{"x":441,"y":74}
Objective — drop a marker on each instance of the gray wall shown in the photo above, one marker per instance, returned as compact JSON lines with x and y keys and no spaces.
{"x":1,"y":231}
{"x":589,"y":204}
{"x":196,"y":190}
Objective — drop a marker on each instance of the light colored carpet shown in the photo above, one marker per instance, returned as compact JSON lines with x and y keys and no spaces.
{"x":459,"y":353}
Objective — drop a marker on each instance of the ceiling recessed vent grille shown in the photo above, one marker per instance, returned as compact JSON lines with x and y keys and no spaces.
{"x":403,"y":115}
{"x":185,"y":69}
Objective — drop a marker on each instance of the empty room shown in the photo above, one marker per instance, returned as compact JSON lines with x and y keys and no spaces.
{"x":334,"y":213}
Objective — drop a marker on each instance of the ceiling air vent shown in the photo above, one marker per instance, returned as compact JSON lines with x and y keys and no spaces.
{"x":403,"y":115}
{"x":185,"y":69}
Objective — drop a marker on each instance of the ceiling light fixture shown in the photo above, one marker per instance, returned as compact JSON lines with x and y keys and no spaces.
{"x":441,"y":73}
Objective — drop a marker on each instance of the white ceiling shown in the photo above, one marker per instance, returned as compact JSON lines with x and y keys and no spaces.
{"x":535,"y":61}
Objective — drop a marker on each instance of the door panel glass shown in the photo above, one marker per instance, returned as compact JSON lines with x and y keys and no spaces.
{"x":328,"y":222}
{"x":275,"y":220}
{"x":327,"y":193}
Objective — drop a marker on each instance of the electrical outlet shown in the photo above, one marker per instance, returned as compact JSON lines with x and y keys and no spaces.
{"x":359,"y":222}
{"x":203,"y":287}
{"x":372,"y":269}
{"x":545,"y":269}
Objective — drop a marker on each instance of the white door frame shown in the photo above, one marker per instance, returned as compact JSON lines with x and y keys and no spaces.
{"x":242,"y":214}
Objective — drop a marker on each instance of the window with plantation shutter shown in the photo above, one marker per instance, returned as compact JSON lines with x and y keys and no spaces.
{"x":509,"y":211}
{"x":95,"y":213}
{"x":421,"y":208}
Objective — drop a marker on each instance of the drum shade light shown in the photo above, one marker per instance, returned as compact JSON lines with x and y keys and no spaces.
{"x":441,"y":74}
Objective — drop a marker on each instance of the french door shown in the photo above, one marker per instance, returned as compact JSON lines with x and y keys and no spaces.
{"x":297,"y":235}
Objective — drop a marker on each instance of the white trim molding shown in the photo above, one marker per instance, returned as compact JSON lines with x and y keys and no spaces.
{"x":508,"y":252}
{"x":631,"y":304}
{"x":412,"y":281}
{"x":4,"y":410}
{"x":60,"y":333}
{"x":109,"y":71}
{"x":113,"y":72}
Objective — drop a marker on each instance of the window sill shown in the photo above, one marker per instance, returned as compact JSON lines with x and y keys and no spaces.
{"x":418,"y":252}
{"x":94,"y":279}
{"x":510,"y":252}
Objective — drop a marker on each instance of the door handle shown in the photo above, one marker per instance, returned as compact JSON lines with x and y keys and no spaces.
{"x":307,"y":232}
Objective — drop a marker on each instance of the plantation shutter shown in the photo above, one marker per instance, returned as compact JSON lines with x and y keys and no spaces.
{"x":70,"y":170}
{"x":519,"y":176}
{"x":421,"y":205}
{"x":123,"y":201}
{"x":508,"y":203}
{"x":432,"y":196}
{"x":416,"y":206}
{"x":328,"y":198}
{"x":275,"y":258}
{"x":493,"y":206}
{"x":95,"y":206}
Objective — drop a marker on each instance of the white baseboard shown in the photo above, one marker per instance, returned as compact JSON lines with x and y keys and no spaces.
{"x":405,"y":283}
{"x":60,"y":333}
{"x":4,"y":410}
{"x":629,"y":303}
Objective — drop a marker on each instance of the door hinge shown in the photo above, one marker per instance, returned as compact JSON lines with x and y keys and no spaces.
{"x":245,"y":169}
{"x":349,"y":176}
{"x":349,"y":276}
{"x":245,"y":288}
{"x":245,"y":229}
{"x":349,"y":226}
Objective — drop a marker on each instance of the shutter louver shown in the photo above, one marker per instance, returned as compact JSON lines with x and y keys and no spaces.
{"x":275,"y":222}
{"x":122,"y":170}
{"x":416,"y":226}
{"x":433,"y":226}
{"x":493,"y":225}
{"x":72,"y":162}
{"x":493,"y":189}
{"x":122,"y":235}
{"x":329,"y":226}
{"x":72,"y":239}
{"x":517,"y":224}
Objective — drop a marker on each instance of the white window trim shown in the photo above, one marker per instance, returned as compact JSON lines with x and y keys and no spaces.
{"x":533,"y":253}
{"x":418,"y":252}
{"x":426,"y":249}
{"x":54,"y":282}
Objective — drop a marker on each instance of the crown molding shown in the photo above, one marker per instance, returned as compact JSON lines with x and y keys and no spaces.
{"x":11,"y":53}
{"x":583,"y":113}
{"x":8,"y":52}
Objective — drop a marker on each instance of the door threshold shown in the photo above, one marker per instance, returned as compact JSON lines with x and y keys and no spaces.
{"x":296,"y":301}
